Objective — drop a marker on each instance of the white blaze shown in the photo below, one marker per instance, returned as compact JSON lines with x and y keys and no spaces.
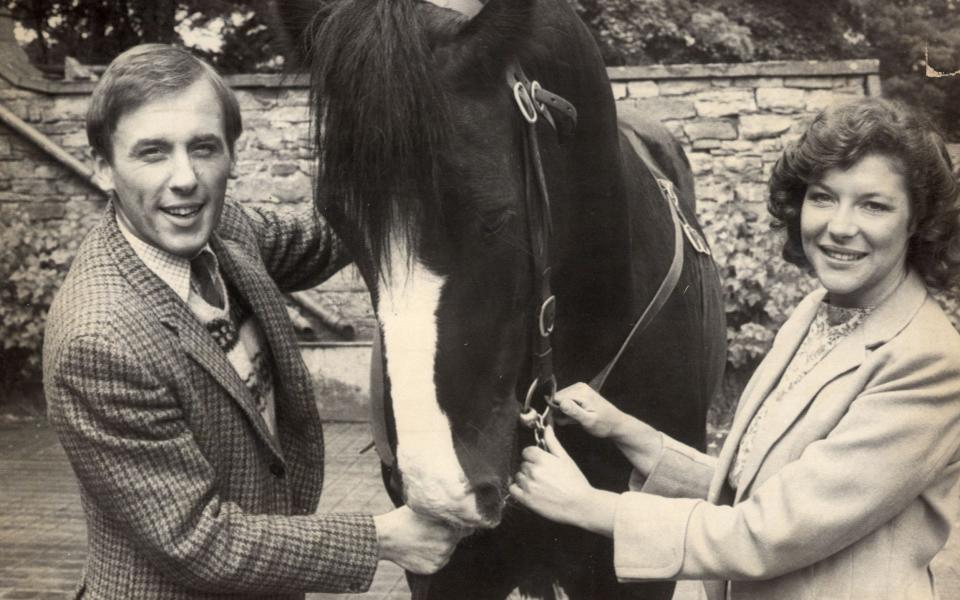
{"x":434,"y":481}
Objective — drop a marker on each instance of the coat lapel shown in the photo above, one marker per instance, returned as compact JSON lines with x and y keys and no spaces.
{"x":195,"y":340}
{"x":293,"y":390}
{"x":883,"y":323}
{"x":764,"y":380}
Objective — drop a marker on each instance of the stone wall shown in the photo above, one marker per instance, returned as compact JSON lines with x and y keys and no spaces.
{"x":733,"y":121}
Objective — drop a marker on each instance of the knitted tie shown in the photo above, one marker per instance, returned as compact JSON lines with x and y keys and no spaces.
{"x":203,"y":279}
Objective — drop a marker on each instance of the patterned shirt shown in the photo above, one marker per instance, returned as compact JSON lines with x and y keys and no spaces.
{"x":830,"y":325}
{"x":234,"y":329}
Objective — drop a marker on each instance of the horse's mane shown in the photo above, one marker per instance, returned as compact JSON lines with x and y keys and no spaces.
{"x":381,"y":119}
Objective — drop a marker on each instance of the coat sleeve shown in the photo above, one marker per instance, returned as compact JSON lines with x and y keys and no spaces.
{"x":297,"y":245}
{"x":680,"y":472}
{"x":134,"y":455}
{"x":895,"y":440}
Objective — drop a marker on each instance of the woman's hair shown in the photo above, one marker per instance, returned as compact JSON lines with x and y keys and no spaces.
{"x":843,"y":134}
{"x":145,"y":73}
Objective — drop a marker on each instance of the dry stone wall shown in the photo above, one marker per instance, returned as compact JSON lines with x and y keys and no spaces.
{"x":733,"y":121}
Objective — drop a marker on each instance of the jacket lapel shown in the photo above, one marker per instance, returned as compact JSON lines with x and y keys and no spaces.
{"x":195,"y":340}
{"x":891,"y":316}
{"x":762,"y":383}
{"x":266,"y":302}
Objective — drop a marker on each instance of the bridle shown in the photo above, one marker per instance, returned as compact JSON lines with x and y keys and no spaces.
{"x":535,"y":102}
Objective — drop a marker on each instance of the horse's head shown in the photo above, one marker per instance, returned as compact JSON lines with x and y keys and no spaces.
{"x":421,"y":171}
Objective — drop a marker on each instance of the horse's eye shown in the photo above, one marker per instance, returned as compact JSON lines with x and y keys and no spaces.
{"x":493,"y":225}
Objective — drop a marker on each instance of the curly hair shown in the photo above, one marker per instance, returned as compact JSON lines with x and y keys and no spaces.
{"x":843,"y":134}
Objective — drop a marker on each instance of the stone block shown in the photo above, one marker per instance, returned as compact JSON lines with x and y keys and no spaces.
{"x":283,"y":169}
{"x":77,"y":139}
{"x":4,"y":147}
{"x":751,"y":193}
{"x":68,"y":108}
{"x":701,"y":163}
{"x":745,"y":167}
{"x":662,"y":108}
{"x":717,"y":129}
{"x":758,"y":82}
{"x":294,"y":97}
{"x":46,"y":172}
{"x":288,"y":114}
{"x":642,"y":89}
{"x":781,"y":99}
{"x":809,"y":82}
{"x":706,"y":144}
{"x":267,"y":138}
{"x":45,"y":211}
{"x":727,"y":102}
{"x":619,"y":90}
{"x":755,"y":127}
{"x":818,"y":100}
{"x":679,"y":87}
{"x":295,"y":188}
{"x":711,"y":189}
{"x":252,"y":102}
{"x":741,"y":146}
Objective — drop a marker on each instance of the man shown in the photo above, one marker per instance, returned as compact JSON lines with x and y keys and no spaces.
{"x":171,"y":371}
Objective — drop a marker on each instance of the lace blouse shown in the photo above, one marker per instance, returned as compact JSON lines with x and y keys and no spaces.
{"x":830,"y":325}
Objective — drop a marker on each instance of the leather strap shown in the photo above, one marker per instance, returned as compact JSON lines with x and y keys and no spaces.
{"x":681,"y":229}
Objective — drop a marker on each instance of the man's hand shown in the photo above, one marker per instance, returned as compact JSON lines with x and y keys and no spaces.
{"x":417,"y":543}
{"x":550,"y":484}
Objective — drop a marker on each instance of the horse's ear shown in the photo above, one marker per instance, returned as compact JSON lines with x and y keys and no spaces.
{"x":491,"y":40}
{"x":293,"y":21}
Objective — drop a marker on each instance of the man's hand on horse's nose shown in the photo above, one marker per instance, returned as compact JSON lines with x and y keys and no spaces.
{"x":415,"y":542}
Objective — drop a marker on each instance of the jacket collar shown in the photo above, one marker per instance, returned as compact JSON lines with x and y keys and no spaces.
{"x":174,"y":313}
{"x":881,"y":325}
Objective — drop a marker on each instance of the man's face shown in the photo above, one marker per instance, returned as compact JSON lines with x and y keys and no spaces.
{"x":170,"y":168}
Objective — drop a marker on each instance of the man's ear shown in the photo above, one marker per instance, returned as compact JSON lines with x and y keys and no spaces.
{"x":103,"y":173}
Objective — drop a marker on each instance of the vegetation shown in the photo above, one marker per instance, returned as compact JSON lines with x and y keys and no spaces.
{"x":34,"y":258}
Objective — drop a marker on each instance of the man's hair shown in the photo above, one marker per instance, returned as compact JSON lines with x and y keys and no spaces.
{"x":145,"y":73}
{"x":843,"y":134}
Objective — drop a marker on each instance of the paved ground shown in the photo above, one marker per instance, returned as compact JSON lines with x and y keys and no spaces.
{"x":42,"y":535}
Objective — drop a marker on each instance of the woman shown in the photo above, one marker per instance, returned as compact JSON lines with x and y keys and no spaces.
{"x":839,"y":477}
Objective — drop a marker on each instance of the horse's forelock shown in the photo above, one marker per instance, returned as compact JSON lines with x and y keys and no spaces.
{"x":381,"y":120}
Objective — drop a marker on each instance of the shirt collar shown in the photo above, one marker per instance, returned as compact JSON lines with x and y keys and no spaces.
{"x":171,"y":269}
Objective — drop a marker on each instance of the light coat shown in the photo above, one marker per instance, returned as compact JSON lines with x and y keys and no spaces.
{"x":185,"y":491}
{"x":852,"y":483}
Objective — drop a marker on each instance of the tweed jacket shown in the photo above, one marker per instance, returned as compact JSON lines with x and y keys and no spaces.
{"x":850,"y":488}
{"x":185,"y":491}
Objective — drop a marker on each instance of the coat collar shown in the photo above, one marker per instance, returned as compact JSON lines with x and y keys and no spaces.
{"x":170,"y":310}
{"x":881,"y":325}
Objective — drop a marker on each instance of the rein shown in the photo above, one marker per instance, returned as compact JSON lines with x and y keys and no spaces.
{"x":534,"y":102}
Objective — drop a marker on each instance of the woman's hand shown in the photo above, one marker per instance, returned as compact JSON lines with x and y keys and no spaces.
{"x":550,"y":484}
{"x":592,"y":411}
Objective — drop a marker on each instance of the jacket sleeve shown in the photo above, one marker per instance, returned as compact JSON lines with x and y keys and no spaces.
{"x":895,"y":440}
{"x":680,"y":472}
{"x":134,"y":455}
{"x":297,"y":245}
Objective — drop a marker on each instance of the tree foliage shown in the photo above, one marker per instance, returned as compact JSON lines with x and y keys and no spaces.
{"x":901,"y":33}
{"x":95,"y":31}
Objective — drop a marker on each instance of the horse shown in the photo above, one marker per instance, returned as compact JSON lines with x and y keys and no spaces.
{"x":507,"y":251}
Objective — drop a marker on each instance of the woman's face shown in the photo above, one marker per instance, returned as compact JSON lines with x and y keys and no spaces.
{"x":855,"y":226}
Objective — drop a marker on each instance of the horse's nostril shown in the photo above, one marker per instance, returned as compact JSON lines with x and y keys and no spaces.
{"x":489,"y":501}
